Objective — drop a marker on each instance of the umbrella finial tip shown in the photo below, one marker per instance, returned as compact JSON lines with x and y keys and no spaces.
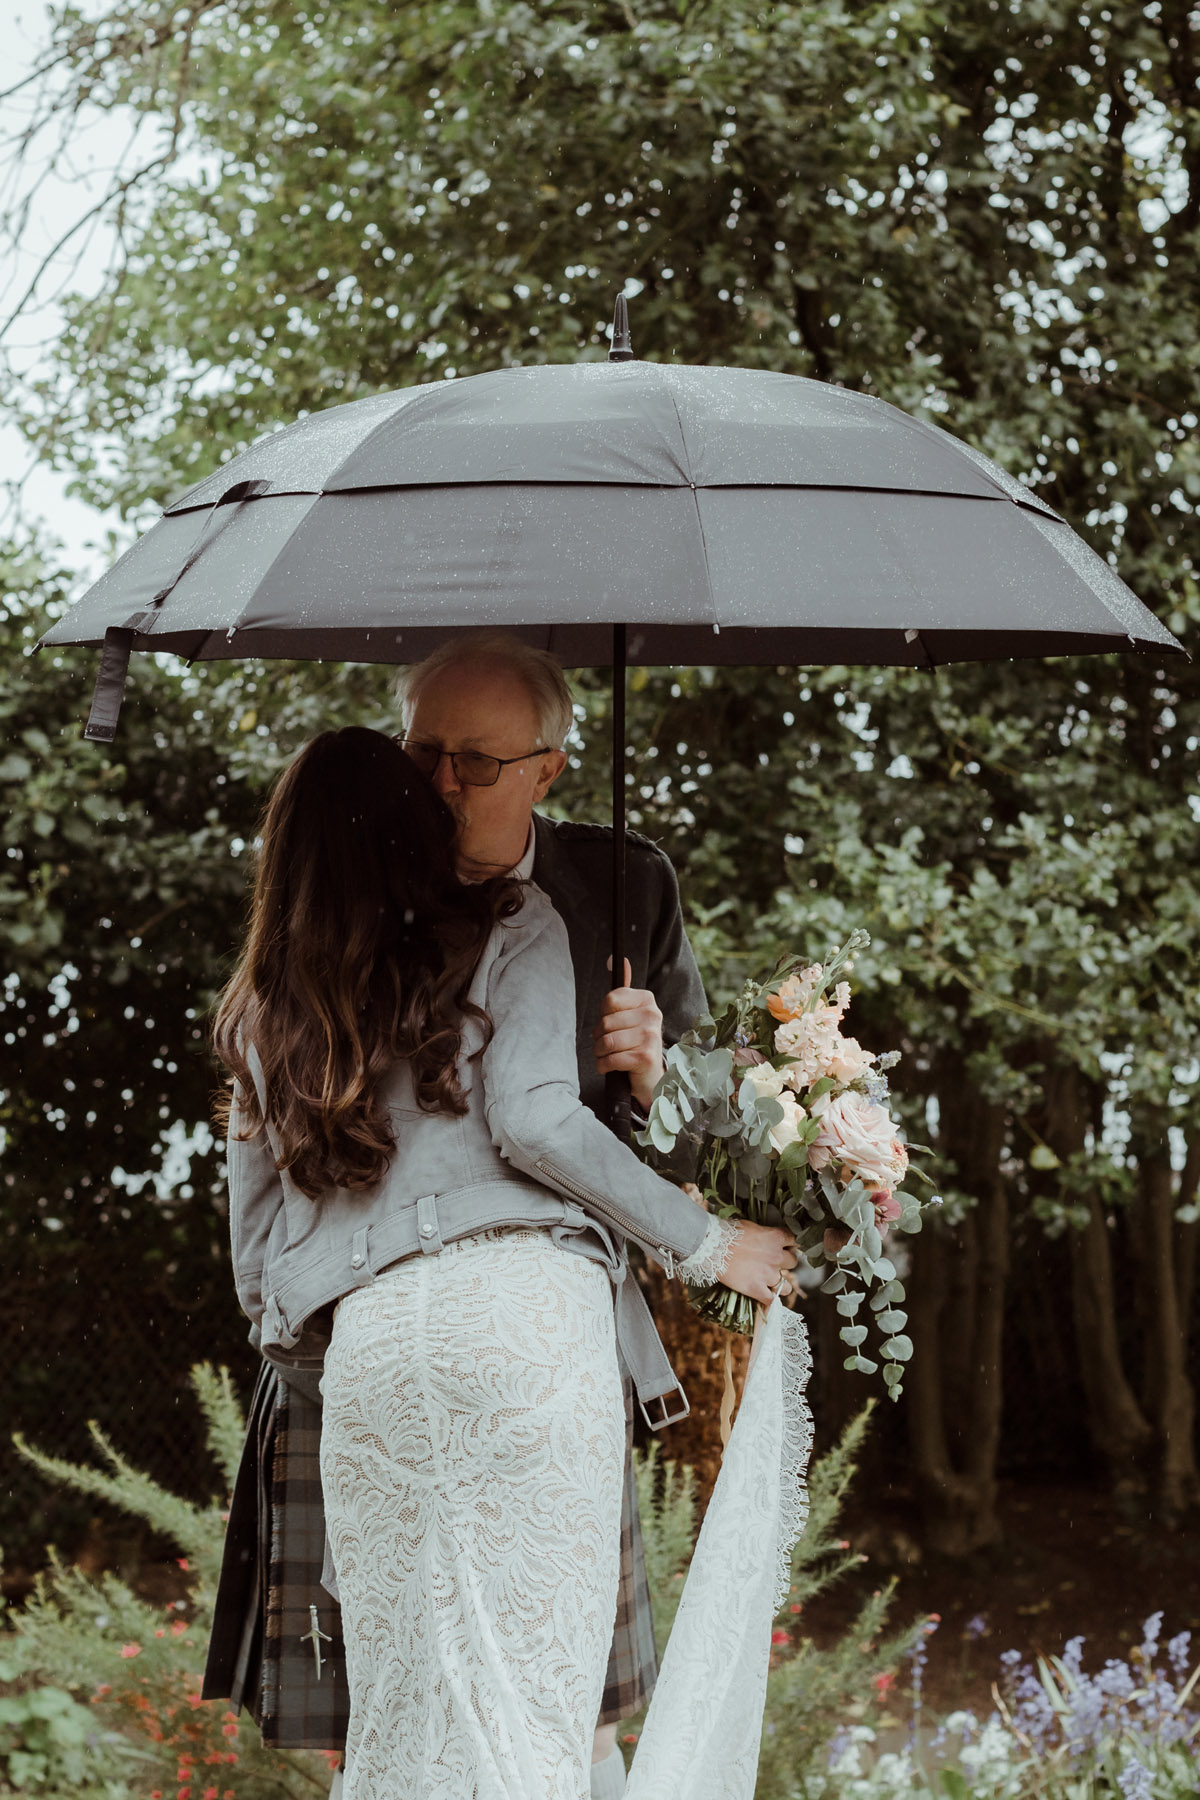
{"x":621,"y":349}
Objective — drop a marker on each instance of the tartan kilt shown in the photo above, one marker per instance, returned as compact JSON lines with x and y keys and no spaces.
{"x":260,"y":1653}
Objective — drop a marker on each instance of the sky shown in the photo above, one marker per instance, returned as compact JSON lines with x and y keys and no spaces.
{"x":61,"y":201}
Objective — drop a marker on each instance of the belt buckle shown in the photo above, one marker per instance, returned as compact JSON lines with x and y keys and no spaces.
{"x":668,"y":1417}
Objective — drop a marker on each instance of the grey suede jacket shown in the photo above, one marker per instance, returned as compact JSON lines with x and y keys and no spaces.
{"x":526,"y":1151}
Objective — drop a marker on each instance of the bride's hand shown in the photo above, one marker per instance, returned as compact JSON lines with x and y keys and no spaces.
{"x":693,"y":1193}
{"x":759,"y":1261}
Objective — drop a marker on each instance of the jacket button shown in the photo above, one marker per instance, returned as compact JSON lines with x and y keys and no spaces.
{"x":356,"y":1262}
{"x":427,"y":1230}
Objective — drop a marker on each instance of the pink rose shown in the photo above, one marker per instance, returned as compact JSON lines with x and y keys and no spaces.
{"x":860,"y":1134}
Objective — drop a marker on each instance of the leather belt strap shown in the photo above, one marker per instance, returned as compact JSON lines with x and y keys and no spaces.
{"x":431,"y":1222}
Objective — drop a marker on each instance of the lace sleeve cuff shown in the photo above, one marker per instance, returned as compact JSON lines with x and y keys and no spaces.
{"x":707,"y":1262}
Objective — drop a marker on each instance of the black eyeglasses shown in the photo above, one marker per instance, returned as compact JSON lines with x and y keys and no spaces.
{"x":471,"y":767}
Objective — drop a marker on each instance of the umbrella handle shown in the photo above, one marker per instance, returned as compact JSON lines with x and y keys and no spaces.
{"x":617,"y":1101}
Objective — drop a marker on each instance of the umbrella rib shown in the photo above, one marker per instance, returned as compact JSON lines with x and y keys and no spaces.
{"x":228,"y":632}
{"x":687,"y":456}
{"x":332,"y":474}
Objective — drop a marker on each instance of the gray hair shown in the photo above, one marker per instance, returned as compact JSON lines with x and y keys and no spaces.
{"x":539,"y":671}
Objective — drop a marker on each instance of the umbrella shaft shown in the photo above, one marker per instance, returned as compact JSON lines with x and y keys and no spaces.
{"x":618,"y":806}
{"x":616,"y":1084}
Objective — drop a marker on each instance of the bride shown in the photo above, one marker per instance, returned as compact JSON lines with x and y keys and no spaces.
{"x":421,"y":1207}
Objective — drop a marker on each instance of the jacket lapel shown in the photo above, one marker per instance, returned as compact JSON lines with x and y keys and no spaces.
{"x":555,"y":873}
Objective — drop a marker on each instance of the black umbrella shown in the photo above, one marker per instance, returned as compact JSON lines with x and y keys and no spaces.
{"x":610,"y":512}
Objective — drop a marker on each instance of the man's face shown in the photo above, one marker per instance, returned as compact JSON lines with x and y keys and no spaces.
{"x":475,"y":706}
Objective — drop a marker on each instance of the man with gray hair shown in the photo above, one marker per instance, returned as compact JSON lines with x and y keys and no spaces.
{"x":485,"y":718}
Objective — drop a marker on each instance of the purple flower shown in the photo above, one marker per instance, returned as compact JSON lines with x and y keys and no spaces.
{"x":1150,"y":1632}
{"x":841,"y":1740}
{"x":1178,"y":1651}
{"x":919,"y":1657}
{"x":976,"y":1627}
{"x":1135,"y":1780}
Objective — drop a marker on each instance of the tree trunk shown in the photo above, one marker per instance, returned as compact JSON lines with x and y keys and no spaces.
{"x":956,"y":1315}
{"x":1168,"y":1390}
{"x":1187,"y":1236}
{"x":1117,"y":1425}
{"x":1119,"y":1428}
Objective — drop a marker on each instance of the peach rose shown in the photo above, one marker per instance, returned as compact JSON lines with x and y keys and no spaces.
{"x":849,"y":1060}
{"x":793,"y":995}
{"x":860,"y":1134}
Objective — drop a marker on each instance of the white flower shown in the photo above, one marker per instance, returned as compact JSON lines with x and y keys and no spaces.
{"x":989,"y":1758}
{"x":761,"y":1080}
{"x":791,"y":1125}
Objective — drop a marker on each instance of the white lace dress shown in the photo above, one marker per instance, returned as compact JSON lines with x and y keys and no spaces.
{"x":472,"y":1458}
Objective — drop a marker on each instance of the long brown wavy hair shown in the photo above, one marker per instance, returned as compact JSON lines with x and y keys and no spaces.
{"x":360,"y":950}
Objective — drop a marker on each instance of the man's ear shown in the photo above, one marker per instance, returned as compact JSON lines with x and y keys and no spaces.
{"x":553,"y":764}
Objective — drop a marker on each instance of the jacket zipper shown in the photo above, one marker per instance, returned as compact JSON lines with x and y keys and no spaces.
{"x":632,"y":1227}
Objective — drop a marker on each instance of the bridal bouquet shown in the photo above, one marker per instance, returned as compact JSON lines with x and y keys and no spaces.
{"x":794,"y":1129}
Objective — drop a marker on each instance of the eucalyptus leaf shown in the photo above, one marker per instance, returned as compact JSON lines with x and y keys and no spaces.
{"x":889,"y":1294}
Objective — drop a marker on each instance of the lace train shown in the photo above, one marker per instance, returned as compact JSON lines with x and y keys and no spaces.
{"x":702,"y":1732}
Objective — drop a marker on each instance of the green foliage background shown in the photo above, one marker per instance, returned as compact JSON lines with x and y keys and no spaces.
{"x":985,"y":213}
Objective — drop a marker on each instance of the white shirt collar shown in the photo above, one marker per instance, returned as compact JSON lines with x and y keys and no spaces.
{"x":523,"y":871}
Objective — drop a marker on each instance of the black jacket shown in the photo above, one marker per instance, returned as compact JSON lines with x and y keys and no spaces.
{"x":572,"y":864}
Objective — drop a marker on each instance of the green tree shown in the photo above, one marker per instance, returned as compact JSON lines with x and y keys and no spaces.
{"x":985,"y":213}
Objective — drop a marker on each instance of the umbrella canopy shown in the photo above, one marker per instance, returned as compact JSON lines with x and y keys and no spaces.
{"x":728,"y":515}
{"x":609,"y":512}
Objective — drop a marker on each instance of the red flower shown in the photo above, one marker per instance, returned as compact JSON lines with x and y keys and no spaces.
{"x":780,"y":1637}
{"x":796,"y":1606}
{"x":131,"y":1650}
{"x":631,"y":1737}
{"x":182,"y":1561}
{"x":883,"y":1684}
